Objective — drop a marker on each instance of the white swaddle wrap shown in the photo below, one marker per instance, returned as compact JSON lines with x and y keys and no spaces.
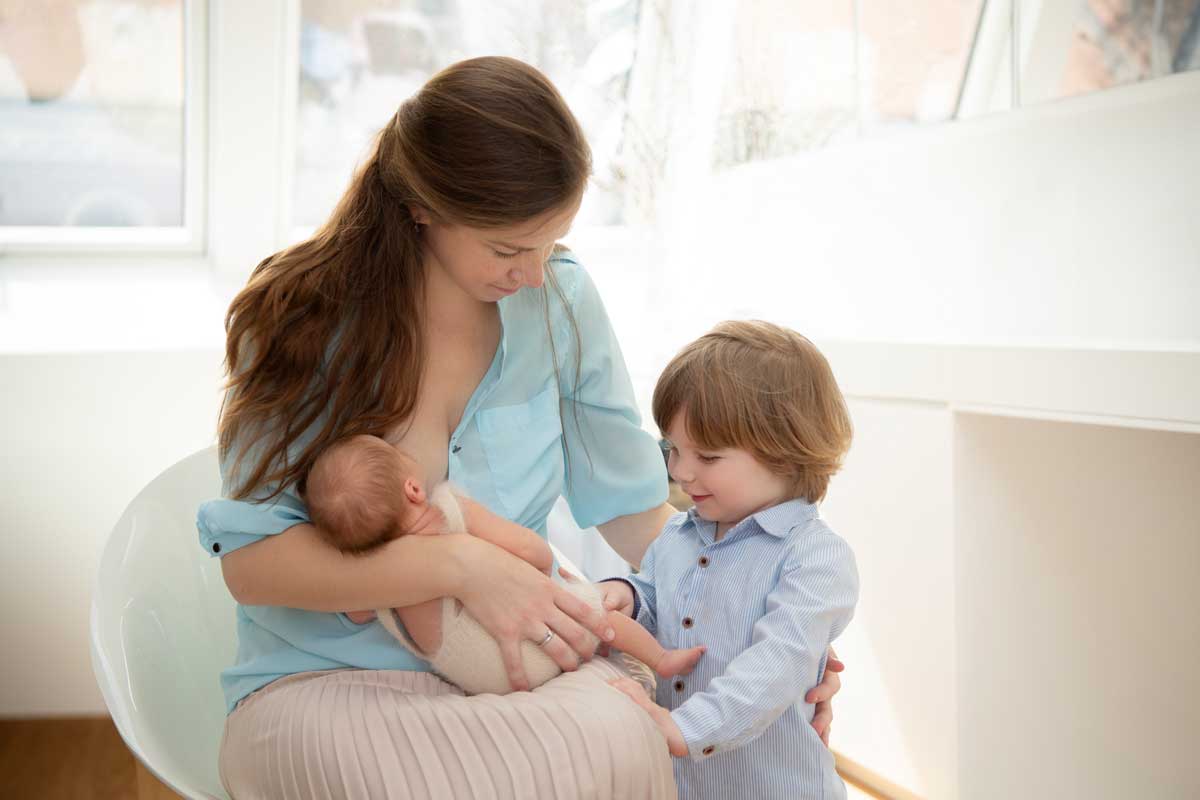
{"x":469,"y":656}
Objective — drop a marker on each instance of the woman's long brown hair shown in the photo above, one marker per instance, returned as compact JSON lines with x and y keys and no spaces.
{"x":326,"y":338}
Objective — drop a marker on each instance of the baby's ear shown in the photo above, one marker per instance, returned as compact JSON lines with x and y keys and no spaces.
{"x":414,"y":491}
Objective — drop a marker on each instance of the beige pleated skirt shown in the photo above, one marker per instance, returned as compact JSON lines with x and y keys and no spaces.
{"x":394,"y":734}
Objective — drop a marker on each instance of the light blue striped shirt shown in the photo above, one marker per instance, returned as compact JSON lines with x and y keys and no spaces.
{"x":529,"y":434}
{"x":766,"y":600}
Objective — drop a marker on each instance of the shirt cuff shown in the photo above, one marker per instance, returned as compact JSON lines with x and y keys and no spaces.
{"x":637,"y":600}
{"x":226,"y":525}
{"x":700,"y":734}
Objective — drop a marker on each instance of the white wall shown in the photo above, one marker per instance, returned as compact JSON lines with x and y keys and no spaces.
{"x":81,"y":434}
{"x":1067,"y":223}
{"x":892,"y":503}
{"x":1077,"y":555}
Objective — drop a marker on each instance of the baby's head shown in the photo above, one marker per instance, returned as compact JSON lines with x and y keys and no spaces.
{"x":754,"y":417}
{"x":362,"y":493}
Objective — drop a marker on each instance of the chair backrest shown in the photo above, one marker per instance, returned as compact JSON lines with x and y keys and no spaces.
{"x":162,"y":629}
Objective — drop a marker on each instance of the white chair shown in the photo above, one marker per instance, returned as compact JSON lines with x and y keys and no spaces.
{"x":162,"y":629}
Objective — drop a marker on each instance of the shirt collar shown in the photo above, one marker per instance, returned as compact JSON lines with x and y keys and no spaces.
{"x":778,"y":520}
{"x":781,"y":519}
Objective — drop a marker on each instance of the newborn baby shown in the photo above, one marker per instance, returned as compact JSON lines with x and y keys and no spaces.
{"x":362,"y":493}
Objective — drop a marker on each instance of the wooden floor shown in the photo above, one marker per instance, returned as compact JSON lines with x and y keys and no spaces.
{"x":83,"y":758}
{"x":79,"y":758}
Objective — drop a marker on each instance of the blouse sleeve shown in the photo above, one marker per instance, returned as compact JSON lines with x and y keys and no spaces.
{"x":614,"y":467}
{"x":225,"y":525}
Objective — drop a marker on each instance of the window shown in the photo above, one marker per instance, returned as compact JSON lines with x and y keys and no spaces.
{"x":359,"y":61}
{"x":791,"y":83}
{"x":1098,"y":44}
{"x":94,"y":143}
{"x":913,"y":59}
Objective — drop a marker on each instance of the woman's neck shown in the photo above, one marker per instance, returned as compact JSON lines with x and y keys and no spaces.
{"x":449,"y":309}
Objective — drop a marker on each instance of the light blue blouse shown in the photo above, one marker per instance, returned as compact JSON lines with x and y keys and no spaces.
{"x":766,"y":600}
{"x":527,"y":436}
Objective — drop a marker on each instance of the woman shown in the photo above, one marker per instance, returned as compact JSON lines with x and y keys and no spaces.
{"x":435,"y":310}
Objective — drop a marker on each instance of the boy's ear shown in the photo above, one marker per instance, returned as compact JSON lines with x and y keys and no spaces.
{"x":414,"y":491}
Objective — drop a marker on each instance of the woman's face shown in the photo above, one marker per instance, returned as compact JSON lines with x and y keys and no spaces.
{"x":490,"y":263}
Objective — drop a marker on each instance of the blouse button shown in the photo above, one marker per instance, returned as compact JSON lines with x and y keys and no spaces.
{"x":704,"y":561}
{"x":687,"y":622}
{"x":679,"y":686}
{"x":708,"y":751}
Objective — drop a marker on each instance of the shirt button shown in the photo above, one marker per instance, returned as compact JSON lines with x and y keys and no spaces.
{"x":704,"y":561}
{"x":708,"y":751}
{"x":687,"y":622}
{"x":217,"y":547}
{"x":679,"y":686}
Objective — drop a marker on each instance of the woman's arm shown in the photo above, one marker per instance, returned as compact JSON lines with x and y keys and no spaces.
{"x":299,"y":570}
{"x":631,"y":534}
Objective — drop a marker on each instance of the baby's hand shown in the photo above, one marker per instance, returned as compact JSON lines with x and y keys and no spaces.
{"x":662,"y":718}
{"x":360,"y":617}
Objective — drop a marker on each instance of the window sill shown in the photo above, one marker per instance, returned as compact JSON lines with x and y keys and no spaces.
{"x":1144,"y":386}
{"x":64,"y":305}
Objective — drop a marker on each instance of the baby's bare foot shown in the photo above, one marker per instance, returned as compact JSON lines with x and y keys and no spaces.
{"x":679,"y":662}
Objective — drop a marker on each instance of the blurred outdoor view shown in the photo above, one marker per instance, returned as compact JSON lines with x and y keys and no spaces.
{"x":92,"y":92}
{"x":660,"y":87}
{"x":91,"y":113}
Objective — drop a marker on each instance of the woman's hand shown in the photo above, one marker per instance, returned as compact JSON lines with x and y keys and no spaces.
{"x":822,"y":695}
{"x":662,"y":718}
{"x":512,"y":600}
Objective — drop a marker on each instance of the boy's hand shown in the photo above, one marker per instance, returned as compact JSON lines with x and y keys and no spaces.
{"x":662,"y":718}
{"x":617,"y":597}
{"x":360,"y":617}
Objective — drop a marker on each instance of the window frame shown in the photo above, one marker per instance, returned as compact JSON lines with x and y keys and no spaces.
{"x":184,"y":240}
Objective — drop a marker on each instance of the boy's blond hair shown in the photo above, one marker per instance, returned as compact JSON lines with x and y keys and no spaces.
{"x":754,"y":386}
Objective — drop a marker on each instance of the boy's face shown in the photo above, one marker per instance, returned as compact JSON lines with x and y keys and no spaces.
{"x":726,"y":485}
